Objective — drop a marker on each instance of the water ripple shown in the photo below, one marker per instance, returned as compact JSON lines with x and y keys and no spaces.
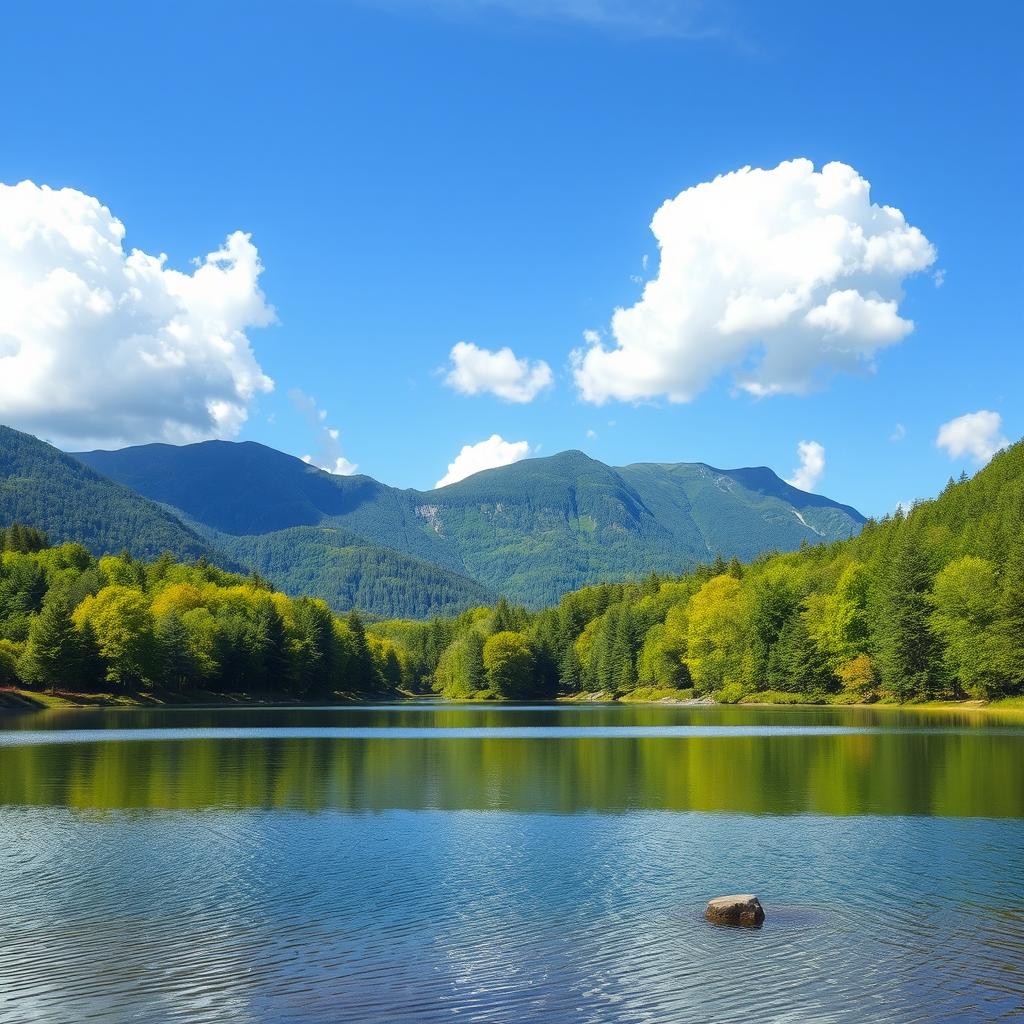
{"x":427,"y":916}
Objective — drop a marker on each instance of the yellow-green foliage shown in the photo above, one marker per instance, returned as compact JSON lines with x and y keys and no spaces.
{"x":924,"y":606}
{"x":77,"y":623}
{"x":508,"y":664}
{"x":716,"y":632}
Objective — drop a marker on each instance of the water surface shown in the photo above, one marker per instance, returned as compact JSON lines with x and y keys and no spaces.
{"x":422,"y":863}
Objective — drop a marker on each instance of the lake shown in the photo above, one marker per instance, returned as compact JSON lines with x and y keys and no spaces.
{"x":465,"y":863}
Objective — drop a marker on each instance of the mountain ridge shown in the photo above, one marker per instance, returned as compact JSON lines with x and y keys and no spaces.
{"x":530,"y":530}
{"x":53,"y":491}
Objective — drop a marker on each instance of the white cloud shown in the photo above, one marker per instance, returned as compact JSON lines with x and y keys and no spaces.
{"x":473,"y":458}
{"x":978,"y":434}
{"x":328,"y":455}
{"x":812,"y":465}
{"x":478,"y":370}
{"x":592,"y":434}
{"x":100,"y":346}
{"x":782,"y":276}
{"x":939,"y":277}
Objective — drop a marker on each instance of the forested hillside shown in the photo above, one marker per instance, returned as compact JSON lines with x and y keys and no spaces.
{"x":924,"y":605}
{"x":346,"y":572}
{"x":530,"y":531}
{"x":71,"y":621}
{"x":53,"y":492}
{"x":44,"y":488}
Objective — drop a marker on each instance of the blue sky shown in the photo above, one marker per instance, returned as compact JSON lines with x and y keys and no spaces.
{"x":415,"y":174}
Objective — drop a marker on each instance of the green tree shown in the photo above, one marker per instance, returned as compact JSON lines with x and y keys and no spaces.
{"x":773,"y":599}
{"x":802,"y":665}
{"x":509,"y":664}
{"x":660,"y":662}
{"x":907,"y":648}
{"x":363,"y":676}
{"x":716,"y":633}
{"x":53,"y":652}
{"x":123,"y":626}
{"x":313,"y":649}
{"x":965,"y":602}
{"x":178,"y":667}
{"x":842,"y":628}
{"x":9,"y":661}
{"x":1008,"y":630}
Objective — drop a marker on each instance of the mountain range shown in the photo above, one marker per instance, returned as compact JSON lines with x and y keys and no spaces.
{"x":530,"y":531}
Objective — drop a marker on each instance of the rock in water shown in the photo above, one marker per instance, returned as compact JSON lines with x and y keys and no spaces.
{"x":743,"y":910}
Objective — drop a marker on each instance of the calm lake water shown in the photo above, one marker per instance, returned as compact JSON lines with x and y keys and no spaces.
{"x":443,"y":863}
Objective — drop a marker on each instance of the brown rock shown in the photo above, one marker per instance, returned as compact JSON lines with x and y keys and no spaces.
{"x":742,"y":910}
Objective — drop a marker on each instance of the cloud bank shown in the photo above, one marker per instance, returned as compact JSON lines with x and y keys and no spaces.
{"x":329,"y":454}
{"x":977,"y":434}
{"x":473,"y":458}
{"x":780,"y":276}
{"x":812,"y":466}
{"x":103,"y":346}
{"x":478,"y":371}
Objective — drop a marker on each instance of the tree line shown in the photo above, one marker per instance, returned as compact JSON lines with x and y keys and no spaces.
{"x":71,"y":621}
{"x":920,"y":605}
{"x":928,"y":604}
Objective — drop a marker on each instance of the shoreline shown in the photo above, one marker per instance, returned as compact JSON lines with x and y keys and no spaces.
{"x":17,"y":699}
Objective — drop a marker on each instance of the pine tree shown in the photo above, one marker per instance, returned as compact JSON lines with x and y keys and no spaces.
{"x":907,"y":648}
{"x":177,"y":664}
{"x":1009,"y":628}
{"x":275,"y":649}
{"x":623,"y":652}
{"x":392,"y":669}
{"x":570,"y":672}
{"x":805,"y":665}
{"x":51,"y":656}
{"x":476,"y":676}
{"x":363,"y":671}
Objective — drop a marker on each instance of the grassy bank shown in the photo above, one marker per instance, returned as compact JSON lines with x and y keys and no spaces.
{"x":20,"y":699}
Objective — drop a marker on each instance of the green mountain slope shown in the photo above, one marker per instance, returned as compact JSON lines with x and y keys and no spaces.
{"x":347,"y":572}
{"x":530,"y":531}
{"x":47,"y":489}
{"x":42,"y":487}
{"x":928,"y":605}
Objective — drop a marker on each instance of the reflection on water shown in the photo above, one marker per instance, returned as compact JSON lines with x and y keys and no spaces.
{"x":591,"y":759}
{"x":318,"y":880}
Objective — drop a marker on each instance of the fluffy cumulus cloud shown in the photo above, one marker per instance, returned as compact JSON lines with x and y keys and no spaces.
{"x":780,"y":276}
{"x":476,"y":371}
{"x":473,"y":458}
{"x":977,"y":434}
{"x":100,"y":345}
{"x":812,"y":465}
{"x":328,"y":455}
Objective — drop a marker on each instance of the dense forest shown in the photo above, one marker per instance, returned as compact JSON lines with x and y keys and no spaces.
{"x":924,"y":605}
{"x":347,"y":572}
{"x":54,"y":492}
{"x":71,"y":621}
